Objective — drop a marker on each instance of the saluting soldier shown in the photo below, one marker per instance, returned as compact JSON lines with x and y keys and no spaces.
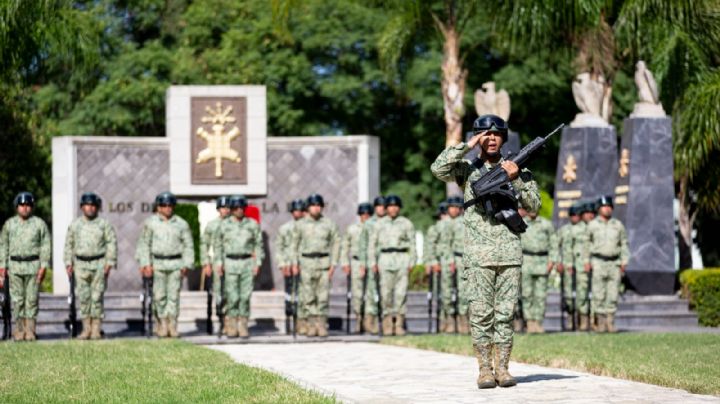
{"x":353,"y":259}
{"x":284,"y":256}
{"x":391,"y":253}
{"x":165,"y":251}
{"x":316,"y":245}
{"x":372,"y":294}
{"x":539,"y":247}
{"x":90,"y":254}
{"x":206,"y":243}
{"x":239,"y":254}
{"x":606,"y":254}
{"x":24,"y":254}
{"x":455,"y":251}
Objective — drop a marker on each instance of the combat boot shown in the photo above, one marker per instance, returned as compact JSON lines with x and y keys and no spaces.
{"x":302,"y":326}
{"x":19,"y":331}
{"x":359,"y":325}
{"x":30,"y":329}
{"x":95,"y":332}
{"x":485,"y":380}
{"x":321,"y":324}
{"x":374,"y":327}
{"x":531,"y":326}
{"x":367,"y":324}
{"x":387,"y":325}
{"x":584,"y":322}
{"x":464,"y":325}
{"x":162,"y":327}
{"x":450,"y":325}
{"x":539,"y":328}
{"x":600,"y":321}
{"x":502,"y":361}
{"x":172,"y":327}
{"x":86,"y":326}
{"x":610,"y":323}
{"x":400,"y":325}
{"x":231,"y":330}
{"x":243,"y":327}
{"x":312,"y":327}
{"x":518,"y":325}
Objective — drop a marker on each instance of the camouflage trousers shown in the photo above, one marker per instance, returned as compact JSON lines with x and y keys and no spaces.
{"x":24,"y":291}
{"x":89,"y":290}
{"x":582,"y":305}
{"x":393,"y":289}
{"x":314,"y":290}
{"x":605,"y":286}
{"x":493,"y":294}
{"x":362,"y":291}
{"x":447,"y":284}
{"x":534,"y":293}
{"x":166,"y":293}
{"x":238,"y":289}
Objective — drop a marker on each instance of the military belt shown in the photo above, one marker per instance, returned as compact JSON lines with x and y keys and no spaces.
{"x":394,"y":250}
{"x":167,"y":257}
{"x":238,"y":256}
{"x":458,"y":254}
{"x":25,"y":258}
{"x":89,"y":258}
{"x":355,"y":257}
{"x":315,"y":255}
{"x":606,"y":257}
{"x":535,"y":254}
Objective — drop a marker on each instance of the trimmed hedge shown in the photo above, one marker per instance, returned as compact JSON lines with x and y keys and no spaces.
{"x":417,"y":280}
{"x":702,"y":288}
{"x":189,"y":212}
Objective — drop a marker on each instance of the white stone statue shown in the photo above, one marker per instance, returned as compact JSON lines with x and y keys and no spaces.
{"x":649,"y":105}
{"x":489,"y":101}
{"x":593,"y":98}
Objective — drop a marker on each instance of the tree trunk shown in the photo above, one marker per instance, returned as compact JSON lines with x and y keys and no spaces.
{"x":453,"y":91}
{"x":686,"y":221}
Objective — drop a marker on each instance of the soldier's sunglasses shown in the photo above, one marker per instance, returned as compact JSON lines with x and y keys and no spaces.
{"x":488,"y":122}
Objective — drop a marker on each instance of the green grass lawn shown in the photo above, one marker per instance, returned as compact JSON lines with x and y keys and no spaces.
{"x":136,"y":371}
{"x":686,"y":361}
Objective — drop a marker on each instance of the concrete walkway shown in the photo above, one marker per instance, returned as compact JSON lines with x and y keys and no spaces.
{"x":374,"y":373}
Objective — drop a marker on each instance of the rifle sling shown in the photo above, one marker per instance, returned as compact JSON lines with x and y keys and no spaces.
{"x":478,"y":164}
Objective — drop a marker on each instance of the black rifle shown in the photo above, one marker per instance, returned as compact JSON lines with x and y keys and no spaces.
{"x":494,"y":190}
{"x":563,"y":303}
{"x":296,"y":301}
{"x":362,"y":303}
{"x":220,"y":305}
{"x":379,"y":303}
{"x":289,"y":309}
{"x":146,"y":298}
{"x":72,"y":315}
{"x":519,"y":316}
{"x":574,"y":299}
{"x":348,"y":299}
{"x":454,"y":299}
{"x":591,"y":320}
{"x":430,"y":300}
{"x":438,"y":302}
{"x":5,"y":308}
{"x":209,"y":290}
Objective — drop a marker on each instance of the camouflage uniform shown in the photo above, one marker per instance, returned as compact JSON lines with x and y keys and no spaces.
{"x":492,"y":256}
{"x":24,"y":249}
{"x":455,"y":253}
{"x":606,"y":250}
{"x":372,"y":294}
{"x":539,"y":247}
{"x":573,"y":258}
{"x":353,"y":253}
{"x":167,"y":245}
{"x":284,"y":258}
{"x":444,"y":252}
{"x":316,"y":245}
{"x":565,"y":245}
{"x":90,"y":246}
{"x":239,"y":249}
{"x":430,"y":254}
{"x":392,"y":249}
{"x":207,"y":251}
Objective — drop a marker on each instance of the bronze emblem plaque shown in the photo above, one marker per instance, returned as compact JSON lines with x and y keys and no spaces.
{"x":218,"y":140}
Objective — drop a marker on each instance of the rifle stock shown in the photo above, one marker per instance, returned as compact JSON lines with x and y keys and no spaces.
{"x":209,"y":290}
{"x":220,"y":307}
{"x":72,"y":314}
{"x":430,"y":301}
{"x":5,"y":308}
{"x":348,"y":299}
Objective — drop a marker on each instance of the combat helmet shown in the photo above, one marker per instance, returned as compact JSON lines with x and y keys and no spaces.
{"x":393,"y":200}
{"x":238,"y":201}
{"x":90,"y":198}
{"x":166,"y":198}
{"x":365,"y":208}
{"x":492,"y":123}
{"x":315,"y":199}
{"x":222,"y":202}
{"x":24,"y":198}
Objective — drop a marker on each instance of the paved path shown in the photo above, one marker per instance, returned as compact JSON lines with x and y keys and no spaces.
{"x":372,"y":373}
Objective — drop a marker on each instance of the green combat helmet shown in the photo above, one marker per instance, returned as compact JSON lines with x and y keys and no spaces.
{"x":238,"y":201}
{"x":393,"y":200}
{"x":90,"y":198}
{"x":166,"y":198}
{"x":297,"y":204}
{"x":315,"y":199}
{"x":365,"y":208}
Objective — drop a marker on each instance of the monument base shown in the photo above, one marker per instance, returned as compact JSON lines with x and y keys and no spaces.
{"x":651,"y":282}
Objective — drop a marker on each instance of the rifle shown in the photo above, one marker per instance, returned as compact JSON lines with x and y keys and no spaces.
{"x":589,"y":302}
{"x":519,"y":316}
{"x":362,"y":304}
{"x":209,"y":290}
{"x":494,"y":190}
{"x":295,"y":286}
{"x":438,"y":302}
{"x":349,"y":302}
{"x":379,"y":303}
{"x":72,"y":315}
{"x":574,"y":299}
{"x":5,"y":308}
{"x":289,"y":302}
{"x":563,"y":304}
{"x":220,"y":305}
{"x":146,"y":299}
{"x":454,"y":298}
{"x":430,"y":300}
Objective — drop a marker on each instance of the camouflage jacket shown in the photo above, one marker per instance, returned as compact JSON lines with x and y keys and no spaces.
{"x":283,"y":244}
{"x":563,"y":242}
{"x":487,"y":241}
{"x":238,"y":237}
{"x":398,"y":233}
{"x":606,"y":238}
{"x":90,"y":238}
{"x":538,"y":238}
{"x":432,"y":246}
{"x":456,"y":246}
{"x":25,"y":238}
{"x":168,"y":238}
{"x":354,"y":244}
{"x":316,"y":236}
{"x":574,"y":245}
{"x":206,"y":240}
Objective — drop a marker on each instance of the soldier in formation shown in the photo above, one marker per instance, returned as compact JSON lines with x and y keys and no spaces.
{"x":90,"y":254}
{"x":431,"y":250}
{"x":539,"y":248}
{"x":391,"y":254}
{"x":206,"y":243}
{"x":574,"y":245}
{"x":353,"y":259}
{"x":606,"y":254}
{"x":565,"y":262}
{"x":284,"y":256}
{"x":454,"y":250}
{"x":165,"y":252}
{"x":493,"y":255}
{"x":316,"y":246}
{"x":24,"y":254}
{"x":372,"y":294}
{"x":238,"y":255}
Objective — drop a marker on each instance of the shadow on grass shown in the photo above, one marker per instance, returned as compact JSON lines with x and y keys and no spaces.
{"x":541,"y":377}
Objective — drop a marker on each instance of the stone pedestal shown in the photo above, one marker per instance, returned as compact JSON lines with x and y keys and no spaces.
{"x":512,"y":145}
{"x":644,"y":203}
{"x":587,"y":167}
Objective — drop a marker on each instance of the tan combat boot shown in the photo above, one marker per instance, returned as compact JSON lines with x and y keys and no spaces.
{"x":231,"y":330}
{"x":600,"y":321}
{"x":30,"y":329}
{"x":312,"y":330}
{"x":172,"y":327}
{"x":485,"y":380}
{"x":321,"y":324}
{"x":400,"y":325}
{"x":95,"y":331}
{"x":19,"y":331}
{"x":443,"y":325}
{"x":531,"y":329}
{"x":301,"y":326}
{"x":374,"y":327}
{"x":86,"y":328}
{"x":387,"y":325}
{"x":539,"y":328}
{"x":610,"y":323}
{"x":243,"y":327}
{"x":450,"y":325}
{"x":584,"y":322}
{"x":162,"y":327}
{"x":517,"y":325}
{"x":464,"y":325}
{"x":358,"y":323}
{"x":367,"y":325}
{"x":502,"y":361}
